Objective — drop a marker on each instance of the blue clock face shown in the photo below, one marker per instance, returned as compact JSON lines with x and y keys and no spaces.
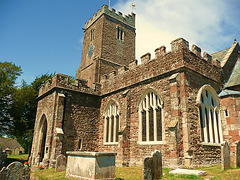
{"x":90,"y":50}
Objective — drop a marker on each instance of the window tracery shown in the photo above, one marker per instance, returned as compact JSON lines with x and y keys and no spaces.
{"x":150,"y":119}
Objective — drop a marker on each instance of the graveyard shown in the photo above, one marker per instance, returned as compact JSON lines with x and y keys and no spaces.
{"x":130,"y":173}
{"x":152,"y":169}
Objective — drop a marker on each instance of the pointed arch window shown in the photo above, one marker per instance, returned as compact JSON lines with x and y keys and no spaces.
{"x":208,"y":104}
{"x":111,"y":124}
{"x":150,"y":119}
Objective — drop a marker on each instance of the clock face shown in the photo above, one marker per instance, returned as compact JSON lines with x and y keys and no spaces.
{"x":90,"y":51}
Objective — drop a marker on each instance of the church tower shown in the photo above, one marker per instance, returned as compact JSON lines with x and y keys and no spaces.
{"x":109,"y":43}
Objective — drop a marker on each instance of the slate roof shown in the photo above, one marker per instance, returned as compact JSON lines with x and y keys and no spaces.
{"x":220,"y":55}
{"x":234,"y":79}
{"x":225,"y":54}
{"x":226,"y":92}
{"x":9,"y":143}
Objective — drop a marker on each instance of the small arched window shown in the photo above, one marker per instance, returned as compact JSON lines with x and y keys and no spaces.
{"x":150,"y":119}
{"x":111,"y":123}
{"x":208,"y":104}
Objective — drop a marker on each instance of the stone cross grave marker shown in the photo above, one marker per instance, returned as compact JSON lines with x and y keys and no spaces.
{"x":153,"y":166}
{"x":225,"y":155}
{"x":237,"y":154}
{"x":61,"y":163}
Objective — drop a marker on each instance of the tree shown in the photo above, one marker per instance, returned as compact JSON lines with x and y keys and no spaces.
{"x":36,"y":84}
{"x":8,"y":75}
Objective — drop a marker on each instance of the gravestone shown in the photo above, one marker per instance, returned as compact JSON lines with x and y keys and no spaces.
{"x":237,"y":154}
{"x":225,"y":155}
{"x":153,"y":166}
{"x":60,"y":163}
{"x":16,"y":171}
{"x":148,"y":170}
{"x":157,"y":164}
{"x":188,"y":172}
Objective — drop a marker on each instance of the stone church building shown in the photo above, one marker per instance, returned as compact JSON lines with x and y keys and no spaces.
{"x":179,"y":102}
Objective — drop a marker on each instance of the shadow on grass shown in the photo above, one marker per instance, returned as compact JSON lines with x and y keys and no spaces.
{"x":12,"y":158}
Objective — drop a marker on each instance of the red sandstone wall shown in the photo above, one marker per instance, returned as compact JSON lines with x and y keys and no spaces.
{"x":177,"y":76}
{"x":80,"y":122}
{"x":230,"y":114}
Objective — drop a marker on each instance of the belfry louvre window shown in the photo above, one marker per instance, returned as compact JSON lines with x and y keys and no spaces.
{"x":120,"y":34}
{"x":111,"y":124}
{"x":92,"y":35}
{"x":208,"y":103}
{"x":150,"y":119}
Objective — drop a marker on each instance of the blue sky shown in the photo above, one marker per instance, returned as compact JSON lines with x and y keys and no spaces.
{"x":46,"y":35}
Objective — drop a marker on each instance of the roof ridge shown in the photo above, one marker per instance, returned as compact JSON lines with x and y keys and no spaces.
{"x":226,"y":57}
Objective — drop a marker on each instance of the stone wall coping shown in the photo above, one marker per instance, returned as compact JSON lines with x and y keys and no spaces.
{"x":94,"y":154}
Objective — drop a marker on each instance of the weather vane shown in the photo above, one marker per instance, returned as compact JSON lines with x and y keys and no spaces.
{"x":133,"y":6}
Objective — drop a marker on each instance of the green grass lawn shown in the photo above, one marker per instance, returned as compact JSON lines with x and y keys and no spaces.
{"x":135,"y":173}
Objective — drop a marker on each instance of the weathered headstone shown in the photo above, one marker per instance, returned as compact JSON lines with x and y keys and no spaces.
{"x":16,"y":171}
{"x":237,"y":154}
{"x":153,"y":166}
{"x":188,"y":172}
{"x":60,"y":163}
{"x":225,"y":155}
{"x":147,"y":170}
{"x":157,"y":164}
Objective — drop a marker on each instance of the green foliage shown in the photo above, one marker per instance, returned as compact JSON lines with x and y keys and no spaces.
{"x":71,"y":79}
{"x":8,"y":75}
{"x":18,"y":105}
{"x":36,"y":84}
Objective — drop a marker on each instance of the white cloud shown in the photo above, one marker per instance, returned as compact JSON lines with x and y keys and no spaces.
{"x":204,"y":23}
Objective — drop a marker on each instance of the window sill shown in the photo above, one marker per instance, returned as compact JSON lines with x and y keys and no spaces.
{"x":211,"y":144}
{"x":110,"y":143}
{"x":151,"y":143}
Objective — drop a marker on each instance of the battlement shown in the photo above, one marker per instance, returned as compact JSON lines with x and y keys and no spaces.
{"x":164,"y":62}
{"x":179,"y":45}
{"x":63,"y":81}
{"x":126,"y":19}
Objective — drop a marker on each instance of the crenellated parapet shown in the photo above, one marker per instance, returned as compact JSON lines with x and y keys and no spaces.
{"x":178,"y":59}
{"x":126,"y":19}
{"x":63,"y":81}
